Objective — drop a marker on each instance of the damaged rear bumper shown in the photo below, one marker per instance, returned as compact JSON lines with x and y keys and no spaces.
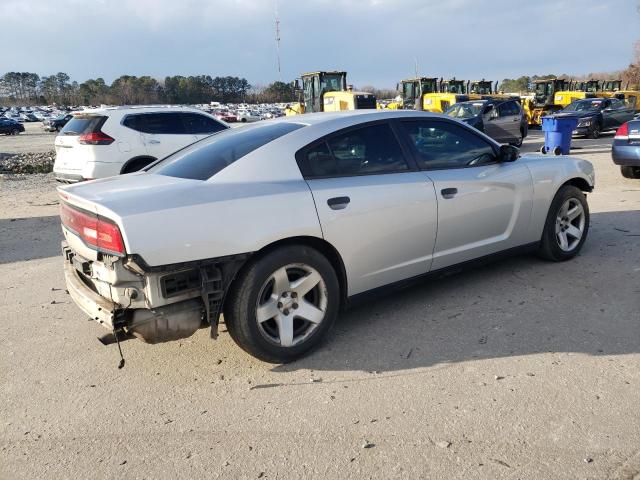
{"x":95,"y":306}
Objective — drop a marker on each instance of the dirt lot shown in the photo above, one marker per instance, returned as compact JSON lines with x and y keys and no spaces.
{"x":519,"y":370}
{"x":33,"y":140}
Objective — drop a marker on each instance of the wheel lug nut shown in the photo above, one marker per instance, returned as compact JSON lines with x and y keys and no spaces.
{"x":286,"y":311}
{"x":295,"y":306}
{"x":279,"y":304}
{"x":294,"y":295}
{"x":285,"y":295}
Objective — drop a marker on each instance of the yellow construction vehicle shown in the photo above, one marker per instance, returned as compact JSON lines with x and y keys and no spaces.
{"x":328,"y":92}
{"x":542,"y":102}
{"x":483,"y":87}
{"x":577,"y":91}
{"x":449,"y":92}
{"x":412,"y":92}
{"x":613,"y":88}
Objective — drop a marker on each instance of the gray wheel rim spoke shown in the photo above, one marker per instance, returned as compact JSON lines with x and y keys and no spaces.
{"x":570,"y":223}
{"x":310,"y":312}
{"x":286,"y":311}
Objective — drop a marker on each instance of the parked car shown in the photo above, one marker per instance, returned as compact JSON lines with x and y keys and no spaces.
{"x":104,"y":142}
{"x":56,"y":124}
{"x":626,"y":149}
{"x":29,"y":117}
{"x":225,"y":116}
{"x":245,"y":116}
{"x":282,"y":223}
{"x":10,"y":127}
{"x":502,"y":120}
{"x":597,"y":115}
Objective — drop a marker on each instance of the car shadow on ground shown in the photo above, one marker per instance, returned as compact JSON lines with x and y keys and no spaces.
{"x":29,"y":238}
{"x":514,"y":307}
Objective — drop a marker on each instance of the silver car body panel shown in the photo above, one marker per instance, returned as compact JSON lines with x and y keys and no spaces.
{"x":397,"y":226}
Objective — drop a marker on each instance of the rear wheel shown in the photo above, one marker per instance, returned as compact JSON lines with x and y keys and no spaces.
{"x":136,"y":164}
{"x":630,"y":172}
{"x":15,"y":131}
{"x":566,"y":226}
{"x":518,"y":143}
{"x":283,"y":304}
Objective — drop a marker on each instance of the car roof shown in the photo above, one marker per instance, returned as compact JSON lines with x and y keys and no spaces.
{"x":353,"y":116}
{"x":138,"y":108}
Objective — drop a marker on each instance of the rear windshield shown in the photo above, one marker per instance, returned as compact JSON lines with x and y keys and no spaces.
{"x":202,"y":160}
{"x":80,"y":124}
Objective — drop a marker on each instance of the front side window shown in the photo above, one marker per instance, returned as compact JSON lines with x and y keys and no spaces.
{"x":363,"y":151}
{"x":202,"y":160}
{"x":443,"y":145}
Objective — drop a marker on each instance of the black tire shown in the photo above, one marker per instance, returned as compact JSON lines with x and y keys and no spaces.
{"x":242,"y":301}
{"x":243,"y":120}
{"x":557,"y":151}
{"x":595,"y":131}
{"x":630,"y":172}
{"x":543,"y":150}
{"x":518,"y":143}
{"x":549,"y":248}
{"x":15,"y":131}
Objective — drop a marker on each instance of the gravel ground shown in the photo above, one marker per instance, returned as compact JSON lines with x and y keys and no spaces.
{"x":520,"y":370}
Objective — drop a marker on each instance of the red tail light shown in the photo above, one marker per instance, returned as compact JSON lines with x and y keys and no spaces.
{"x":623,"y":132}
{"x":95,"y":231}
{"x":95,"y":138}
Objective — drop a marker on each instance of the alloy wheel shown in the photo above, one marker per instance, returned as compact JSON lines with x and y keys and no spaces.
{"x":570,"y":223}
{"x":291,"y":305}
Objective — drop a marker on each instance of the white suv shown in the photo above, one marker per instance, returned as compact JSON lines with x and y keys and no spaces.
{"x":109,"y":141}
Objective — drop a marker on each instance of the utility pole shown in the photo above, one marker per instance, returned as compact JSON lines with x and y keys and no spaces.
{"x":278,"y":41}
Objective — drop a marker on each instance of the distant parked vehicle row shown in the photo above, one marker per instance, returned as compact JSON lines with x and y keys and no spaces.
{"x":105,"y":142}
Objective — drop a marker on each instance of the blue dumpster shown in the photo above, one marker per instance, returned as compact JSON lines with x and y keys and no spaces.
{"x":557,"y":134}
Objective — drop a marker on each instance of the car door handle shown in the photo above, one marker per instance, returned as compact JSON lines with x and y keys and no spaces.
{"x":449,"y":192}
{"x":338,"y":203}
{"x":154,"y":141}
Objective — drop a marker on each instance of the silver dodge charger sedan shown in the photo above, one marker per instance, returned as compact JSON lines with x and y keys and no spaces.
{"x":279,"y":225}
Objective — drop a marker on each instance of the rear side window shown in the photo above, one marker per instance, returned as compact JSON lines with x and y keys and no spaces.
{"x":365,"y":151}
{"x":80,"y":124}
{"x":204,"y":159}
{"x":161,"y":123}
{"x":508,"y":109}
{"x":199,"y":124}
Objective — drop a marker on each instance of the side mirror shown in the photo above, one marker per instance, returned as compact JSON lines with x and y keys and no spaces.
{"x":508,"y":153}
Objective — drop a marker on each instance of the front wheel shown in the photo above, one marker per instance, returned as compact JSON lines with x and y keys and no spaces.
{"x":595,"y":131}
{"x":567,"y":225}
{"x":15,"y":131}
{"x":283,"y":304}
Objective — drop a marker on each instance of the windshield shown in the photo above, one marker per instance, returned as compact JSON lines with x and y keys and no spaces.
{"x":202,"y":160}
{"x":465,"y":110}
{"x":332,"y":83}
{"x":544,"y":88}
{"x":409,"y":91}
{"x":453,"y":87}
{"x":584,"y":106}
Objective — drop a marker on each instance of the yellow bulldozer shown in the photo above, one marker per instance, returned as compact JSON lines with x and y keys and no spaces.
{"x":328,"y":92}
{"x":542,"y":101}
{"x":412,"y":92}
{"x":577,"y":91}
{"x":613,"y":88}
{"x":449,"y":92}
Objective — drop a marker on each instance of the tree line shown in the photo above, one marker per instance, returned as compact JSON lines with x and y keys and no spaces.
{"x":26,"y":88}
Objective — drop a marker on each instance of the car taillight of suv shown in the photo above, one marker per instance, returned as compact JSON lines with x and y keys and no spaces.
{"x":88,"y":129}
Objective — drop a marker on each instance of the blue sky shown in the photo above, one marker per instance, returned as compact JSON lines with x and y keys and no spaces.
{"x":375,"y":41}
